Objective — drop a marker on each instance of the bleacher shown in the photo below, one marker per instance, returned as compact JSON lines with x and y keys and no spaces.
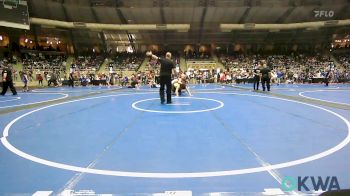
{"x":295,"y":68}
{"x":344,"y":60}
{"x":38,"y":62}
{"x":88,"y":63}
{"x":126,"y":62}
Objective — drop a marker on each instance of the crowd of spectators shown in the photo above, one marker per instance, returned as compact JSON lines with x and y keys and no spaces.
{"x":39,"y":67}
{"x":344,"y":60}
{"x":294,"y":68}
{"x":88,"y":63}
{"x":126,"y":61}
{"x":287,"y":68}
{"x":41,"y":48}
{"x":32,"y":62}
{"x":190,"y":55}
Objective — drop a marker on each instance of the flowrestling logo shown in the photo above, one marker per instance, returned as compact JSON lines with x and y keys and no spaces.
{"x":324,"y":13}
{"x":310,"y":183}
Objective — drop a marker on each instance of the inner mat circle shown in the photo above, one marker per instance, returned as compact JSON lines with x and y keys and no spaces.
{"x":180,"y":105}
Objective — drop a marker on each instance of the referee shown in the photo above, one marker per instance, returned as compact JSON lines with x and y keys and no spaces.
{"x":256,"y":77}
{"x":265,"y":77}
{"x":71,"y":80}
{"x":7,"y":80}
{"x":166,"y":70}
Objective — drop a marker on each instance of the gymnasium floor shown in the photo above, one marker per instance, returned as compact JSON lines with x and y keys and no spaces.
{"x":224,"y":140}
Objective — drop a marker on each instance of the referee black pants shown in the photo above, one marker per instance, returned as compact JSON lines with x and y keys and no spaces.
{"x":165,"y":81}
{"x":6,"y":85}
{"x":267,"y":82}
{"x":71,"y":83}
{"x":326,"y":80}
{"x":256,"y":82}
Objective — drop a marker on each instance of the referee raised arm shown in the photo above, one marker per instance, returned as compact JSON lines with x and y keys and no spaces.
{"x":166,"y":69}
